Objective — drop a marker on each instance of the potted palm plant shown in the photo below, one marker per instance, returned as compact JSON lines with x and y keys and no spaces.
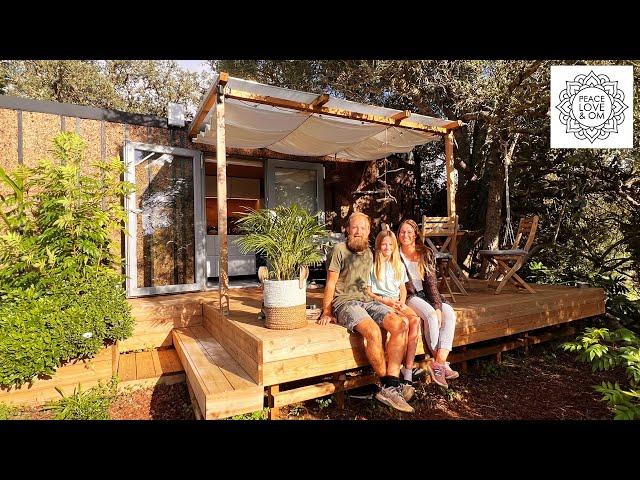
{"x":289,"y":238}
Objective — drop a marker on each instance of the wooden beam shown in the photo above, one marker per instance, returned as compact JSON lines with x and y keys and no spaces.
{"x":451,"y":184}
{"x":208,"y":103}
{"x":321,"y":389}
{"x":209,"y":146}
{"x":320,"y":100}
{"x":472,"y":353}
{"x":401,"y":115}
{"x":221,"y":157}
{"x":453,"y":124}
{"x":334,"y":112}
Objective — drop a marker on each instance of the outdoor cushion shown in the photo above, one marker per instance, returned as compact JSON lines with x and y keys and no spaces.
{"x":517,"y":251}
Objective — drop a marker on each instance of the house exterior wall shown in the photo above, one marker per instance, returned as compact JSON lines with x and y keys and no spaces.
{"x":27,"y":128}
{"x":26,"y":135}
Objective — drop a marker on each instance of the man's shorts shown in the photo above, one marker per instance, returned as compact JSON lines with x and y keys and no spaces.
{"x":353,"y":312}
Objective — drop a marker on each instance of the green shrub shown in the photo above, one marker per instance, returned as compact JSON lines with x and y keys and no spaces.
{"x":606,"y":350}
{"x":90,"y":405}
{"x":6,"y":411}
{"x":61,"y":294}
{"x":258,"y":415}
{"x":75,"y":321}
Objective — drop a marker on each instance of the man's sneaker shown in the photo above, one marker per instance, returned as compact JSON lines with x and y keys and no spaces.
{"x":407,"y":389}
{"x":363,"y":393}
{"x":418,"y":374}
{"x":437,"y":374}
{"x":392,"y":397}
{"x":449,"y":373}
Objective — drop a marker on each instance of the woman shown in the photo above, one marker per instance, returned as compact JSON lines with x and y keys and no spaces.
{"x":439,"y":318}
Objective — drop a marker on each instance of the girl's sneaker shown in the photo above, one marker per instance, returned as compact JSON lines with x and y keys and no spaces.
{"x":449,"y":373}
{"x":437,"y":374}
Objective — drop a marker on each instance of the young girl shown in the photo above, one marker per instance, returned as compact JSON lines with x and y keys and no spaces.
{"x":387,"y":285}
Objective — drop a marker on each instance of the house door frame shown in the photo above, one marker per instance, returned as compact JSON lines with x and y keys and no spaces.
{"x":130,"y":203}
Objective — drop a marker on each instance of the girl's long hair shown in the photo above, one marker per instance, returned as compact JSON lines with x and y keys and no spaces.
{"x":426,"y":263}
{"x":394,"y":259}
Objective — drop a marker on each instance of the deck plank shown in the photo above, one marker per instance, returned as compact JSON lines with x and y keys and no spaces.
{"x":144,"y":365}
{"x":169,"y":361}
{"x":127,"y":367}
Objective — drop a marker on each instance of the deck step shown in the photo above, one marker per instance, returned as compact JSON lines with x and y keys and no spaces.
{"x":220,"y":386}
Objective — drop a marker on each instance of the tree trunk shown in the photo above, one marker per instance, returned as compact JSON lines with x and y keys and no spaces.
{"x":493,"y":218}
{"x":471,"y":197}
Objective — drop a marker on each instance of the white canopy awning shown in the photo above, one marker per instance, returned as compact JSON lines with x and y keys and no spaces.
{"x":305,"y":133}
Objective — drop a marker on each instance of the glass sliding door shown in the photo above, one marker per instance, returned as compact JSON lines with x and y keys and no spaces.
{"x":165,"y":241}
{"x":295,"y":182}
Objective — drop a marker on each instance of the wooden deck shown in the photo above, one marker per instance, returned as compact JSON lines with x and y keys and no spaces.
{"x":149,"y":368}
{"x":83,"y":373}
{"x":226,"y":358}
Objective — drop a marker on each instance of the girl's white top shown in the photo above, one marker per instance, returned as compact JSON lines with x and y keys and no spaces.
{"x":387,"y":286}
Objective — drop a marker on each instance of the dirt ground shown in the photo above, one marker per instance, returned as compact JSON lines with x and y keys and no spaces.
{"x":546,"y":384}
{"x":164,"y":402}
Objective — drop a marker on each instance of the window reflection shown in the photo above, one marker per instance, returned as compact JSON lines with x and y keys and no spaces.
{"x":166,"y":236}
{"x":299,"y":186}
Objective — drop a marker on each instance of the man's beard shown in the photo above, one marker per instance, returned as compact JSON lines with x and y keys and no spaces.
{"x":357,"y":244}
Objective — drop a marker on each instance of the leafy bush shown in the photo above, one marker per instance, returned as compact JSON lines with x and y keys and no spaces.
{"x":90,"y":405}
{"x":288,"y":236}
{"x":61,"y":294}
{"x":258,"y":415}
{"x":606,"y":350}
{"x":6,"y":411}
{"x":37,"y":334}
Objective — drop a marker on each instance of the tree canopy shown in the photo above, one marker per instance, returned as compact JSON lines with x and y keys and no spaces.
{"x":137,"y":86}
{"x":588,"y":200}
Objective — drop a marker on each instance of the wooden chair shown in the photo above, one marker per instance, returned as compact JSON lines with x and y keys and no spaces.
{"x":508,"y":262}
{"x":444,"y":227}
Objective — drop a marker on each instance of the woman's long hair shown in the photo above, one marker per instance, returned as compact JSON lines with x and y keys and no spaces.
{"x":394,"y":259}
{"x":426,"y":263}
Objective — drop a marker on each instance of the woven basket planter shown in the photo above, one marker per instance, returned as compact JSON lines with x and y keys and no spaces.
{"x":285,"y":304}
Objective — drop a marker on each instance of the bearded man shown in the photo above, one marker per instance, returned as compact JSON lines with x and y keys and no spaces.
{"x":346,"y":303}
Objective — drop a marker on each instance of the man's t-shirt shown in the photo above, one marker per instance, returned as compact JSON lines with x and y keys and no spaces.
{"x":354,"y":271}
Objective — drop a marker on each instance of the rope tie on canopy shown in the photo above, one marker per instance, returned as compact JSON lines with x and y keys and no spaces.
{"x":387,"y":195}
{"x":509,"y":237}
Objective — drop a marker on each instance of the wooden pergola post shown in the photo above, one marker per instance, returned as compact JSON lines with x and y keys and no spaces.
{"x":451,"y":188}
{"x":221,"y":158}
{"x":451,"y":181}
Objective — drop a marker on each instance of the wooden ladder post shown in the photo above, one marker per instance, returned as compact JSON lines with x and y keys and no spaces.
{"x":274,"y":413}
{"x":194,"y":403}
{"x":339,"y":379}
